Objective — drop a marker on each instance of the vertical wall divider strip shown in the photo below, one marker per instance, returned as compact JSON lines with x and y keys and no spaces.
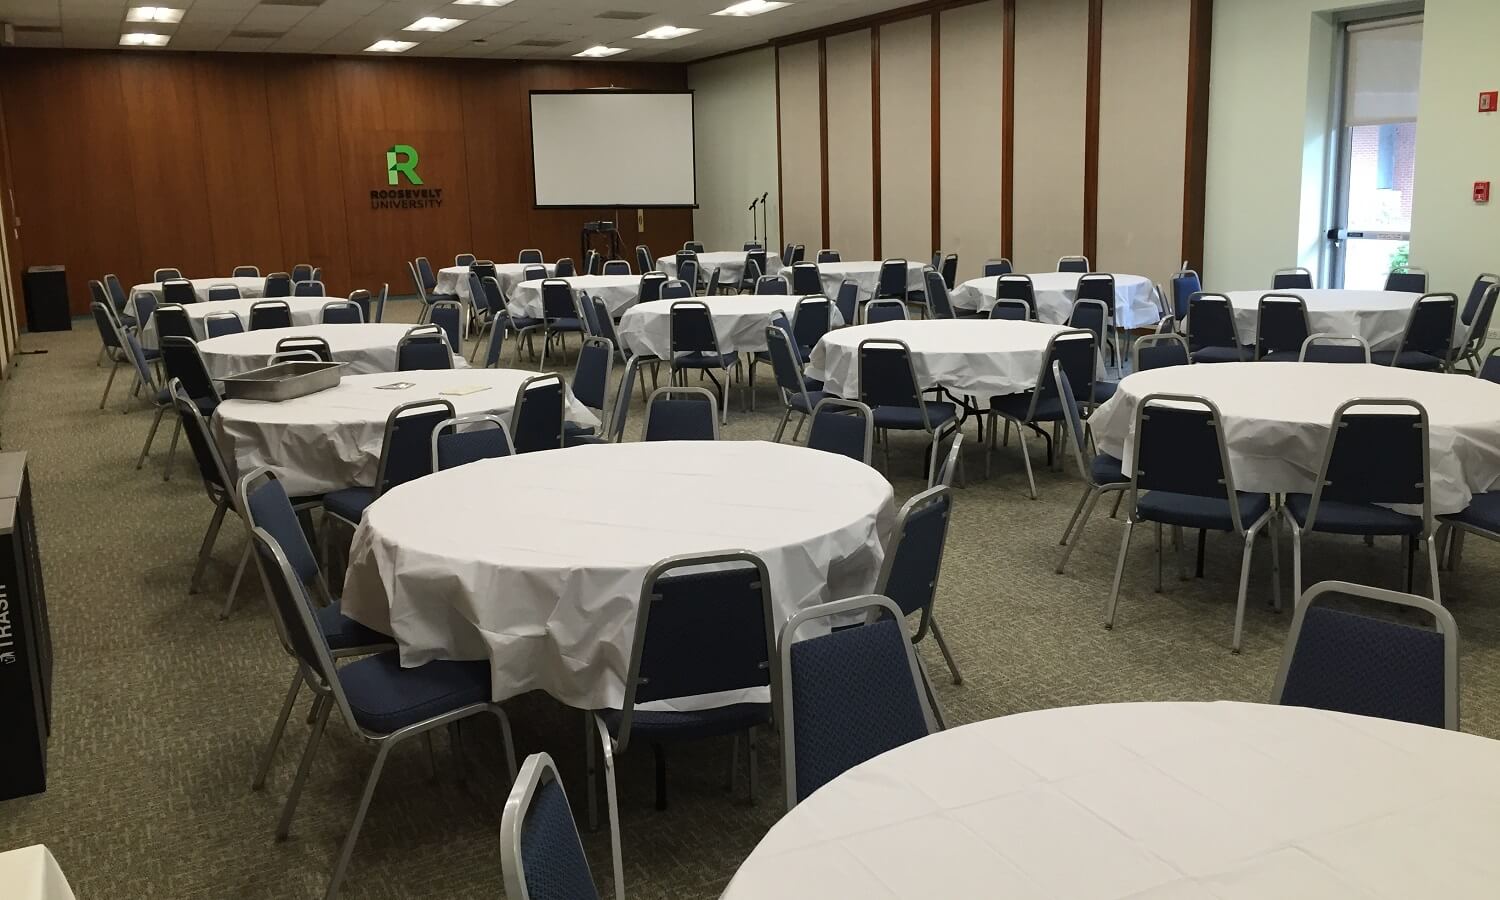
{"x":1008,"y":132}
{"x":1195,"y":158}
{"x":875,"y":138}
{"x":937,"y":130}
{"x":823,"y":127}
{"x":1091,"y":135}
{"x":780,"y":193}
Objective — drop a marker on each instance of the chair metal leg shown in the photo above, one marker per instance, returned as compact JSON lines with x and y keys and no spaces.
{"x":1088,"y":492}
{"x":1115,"y":511}
{"x":506,"y":739}
{"x":937,"y":635}
{"x":289,"y":809}
{"x":166,"y":474}
{"x":150,"y":436}
{"x":1276,"y":560}
{"x":750,"y":754}
{"x":797,"y":432}
{"x":359,"y":820}
{"x":432,"y":768}
{"x":270,"y":752}
{"x":1158,"y":557}
{"x":1432,"y":563}
{"x":885,"y":449}
{"x":206,"y":549}
{"x":659,"y":755}
{"x":1092,"y":496}
{"x":734,"y":762}
{"x":1296,"y":561}
{"x":1026,"y":458}
{"x":781,"y":428}
{"x":590,"y":739}
{"x":989,"y":448}
{"x":614,"y":821}
{"x":234,"y":584}
{"x":113,"y":368}
{"x":1114,"y":592}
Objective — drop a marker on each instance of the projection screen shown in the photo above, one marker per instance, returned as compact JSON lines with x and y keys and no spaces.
{"x":613,"y":148}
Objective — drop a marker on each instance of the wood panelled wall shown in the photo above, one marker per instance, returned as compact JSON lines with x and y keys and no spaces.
{"x":1030,"y":129}
{"x":123,"y":162}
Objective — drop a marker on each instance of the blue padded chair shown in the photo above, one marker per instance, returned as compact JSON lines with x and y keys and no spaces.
{"x":1158,"y":351}
{"x":112,"y":341}
{"x":849,"y":695}
{"x":304,"y":345}
{"x":1376,"y":454}
{"x":538,"y":419}
{"x":1480,"y":517}
{"x":755,"y":269}
{"x":405,"y":455}
{"x":1078,"y":264}
{"x":643,"y":259}
{"x":1092,"y":315}
{"x":890,"y":280}
{"x":888,"y":385}
{"x":939,"y":302}
{"x":121,"y":301}
{"x":424,"y":347}
{"x":221,"y":323}
{"x":847,"y":301}
{"x":788,"y":251}
{"x":690,"y":275}
{"x":167,"y":274}
{"x":1281,"y":327}
{"x":1475,"y":317}
{"x":1100,"y":288}
{"x":772,"y":284}
{"x":1010,"y":310}
{"x":223,"y":292}
{"x":807,"y":280}
{"x":703,"y":632}
{"x":1182,"y":463}
{"x":278,"y":284}
{"x":182,"y":362}
{"x":534,"y":272}
{"x":1075,"y":350}
{"x":1407,"y":279}
{"x":591,"y":262}
{"x":178,"y":290}
{"x":887,"y":310}
{"x":1296,"y":278}
{"x":676,"y":289}
{"x":845,"y":427}
{"x":529,"y":257}
{"x":1427,"y":342}
{"x":716,"y":283}
{"x":308,"y":289}
{"x":270,"y":314}
{"x":1334,"y":348}
{"x":171,"y":321}
{"x":449,"y":316}
{"x":828,"y":256}
{"x":560,"y":315}
{"x":812,"y":318}
{"x":695,"y":346}
{"x":650,"y":287}
{"x":541,"y":855}
{"x":245,"y":272}
{"x":1211,"y":332}
{"x":502,"y":321}
{"x":469,"y":439}
{"x":160,"y":399}
{"x":304,"y":272}
{"x":681,"y":414}
{"x":683,"y":256}
{"x":913,"y":562}
{"x":380,"y":299}
{"x":145,"y":307}
{"x":617,"y":267}
{"x":341,"y":312}
{"x":994,"y":268}
{"x":949,"y":270}
{"x":1185,"y":284}
{"x":464,"y":259}
{"x":1353,"y":663}
{"x":564,"y":268}
{"x":365,"y":303}
{"x":1016,"y":289}
{"x":596,"y":360}
{"x":1101,"y":472}
{"x":797,"y":394}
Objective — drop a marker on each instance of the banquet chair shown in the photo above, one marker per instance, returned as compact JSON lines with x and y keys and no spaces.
{"x":529,"y":257}
{"x":1092,"y":314}
{"x":161,"y":275}
{"x":591,"y":263}
{"x":468,"y":439}
{"x":683,"y":256}
{"x":1016,"y":288}
{"x":380,"y":299}
{"x":560,"y":315}
{"x":1481,"y":517}
{"x":1427,"y":342}
{"x":828,"y":256}
{"x":1074,"y":351}
{"x":179,"y":291}
{"x":888,"y":310}
{"x":650,"y":287}
{"x":538,"y":419}
{"x":171,"y":321}
{"x":145,"y":373}
{"x":1211,"y":332}
{"x":563,"y":268}
{"x":812,"y":318}
{"x":847,"y":301}
{"x":304,"y":272}
{"x":1101,"y":472}
{"x":223,"y":292}
{"x":221,"y":323}
{"x":1296,"y":278}
{"x":112,"y":341}
{"x":341,"y":312}
{"x":945,"y":460}
{"x":309,"y":289}
{"x":541,"y":855}
{"x":888,"y":385}
{"x":1490,"y":371}
{"x":607,"y":327}
{"x":306,"y":344}
{"x":464,"y":259}
{"x":182,"y":362}
{"x":716,"y":284}
{"x":365,"y":303}
{"x":1182,"y":464}
{"x":1281,"y":327}
{"x":689,"y":275}
{"x":772,"y":284}
{"x":424,"y":347}
{"x":949,"y":270}
{"x":381,"y":702}
{"x":845,"y":427}
{"x":270,"y":314}
{"x":121,"y":302}
{"x":749,"y":276}
{"x":405,"y":455}
{"x":890,"y":280}
{"x":1158,"y":351}
{"x":245,"y":272}
{"x":1475,"y":318}
{"x":849,"y":695}
{"x":317,"y":274}
{"x":1185,"y":284}
{"x":278,"y":284}
{"x":617,"y":267}
{"x":1078,"y":264}
{"x":799,"y":254}
{"x":1376,"y":455}
{"x":695,"y":246}
{"x":1099,"y":287}
{"x":803,"y":352}
{"x":939,"y":302}
{"x":752,"y":245}
{"x":591,"y":377}
{"x":694,"y":343}
{"x":1334,"y":348}
{"x":1358,"y":664}
{"x":614,"y":427}
{"x":697,"y":632}
{"x":681,"y":414}
{"x":489,"y":313}
{"x":797,"y":395}
{"x":535,"y":272}
{"x":759,"y":258}
{"x":1408,"y":279}
{"x":449,"y":316}
{"x":994,"y":268}
{"x":788,"y":251}
{"x":806,"y":280}
{"x":675,"y":289}
{"x":643,"y":259}
{"x":913,"y":563}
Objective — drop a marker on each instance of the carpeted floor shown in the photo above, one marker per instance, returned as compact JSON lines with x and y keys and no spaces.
{"x":161,"y":708}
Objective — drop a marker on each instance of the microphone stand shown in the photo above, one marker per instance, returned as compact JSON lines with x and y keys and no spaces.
{"x":754,"y":223}
{"x":765,"y":225}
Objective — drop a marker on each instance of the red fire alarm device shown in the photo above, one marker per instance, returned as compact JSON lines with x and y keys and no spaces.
{"x":1489,"y":101}
{"x":1481,"y":192}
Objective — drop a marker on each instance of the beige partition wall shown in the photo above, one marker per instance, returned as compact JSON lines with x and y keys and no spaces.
{"x":906,"y":138}
{"x":1051,"y":86}
{"x":734,"y":125}
{"x":801,"y":145}
{"x":851,"y":178}
{"x":1143,"y":71}
{"x":971,"y":88}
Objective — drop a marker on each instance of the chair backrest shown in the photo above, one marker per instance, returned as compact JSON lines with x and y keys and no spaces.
{"x":701,"y":632}
{"x":617,"y":267}
{"x":887,"y":376}
{"x":650,"y":289}
{"x":691,"y":328}
{"x":695,"y":246}
{"x":949,"y":270}
{"x":1429,"y":328}
{"x":681,"y":414}
{"x":1210,"y":322}
{"x":1158,"y":351}
{"x":1091,"y":314}
{"x":688,"y":274}
{"x":914,"y":555}
{"x":1017,"y":287}
{"x":536,"y":420}
{"x":606,"y":325}
{"x":591,"y":262}
{"x":270,"y":314}
{"x":811,"y":319}
{"x":1280,"y":324}
{"x":171,"y":320}
{"x":1074,"y":264}
{"x":1353,"y":663}
{"x":772,"y":284}
{"x":183,"y":362}
{"x":1408,"y":279}
{"x":1490,"y":371}
{"x":845,"y":427}
{"x":1477,"y":294}
{"x":685,"y":255}
{"x":591,"y":376}
{"x":886,"y":310}
{"x":529,"y":257}
{"x":643,"y":259}
{"x":406,"y":453}
{"x":278,"y":284}
{"x":166,"y":274}
{"x":341,"y":312}
{"x":493,"y":298}
{"x":993,"y":268}
{"x":758,"y":257}
{"x":1352,"y":348}
{"x":221,"y":323}
{"x":786,"y":363}
{"x":1185,"y":284}
{"x":1098,"y":286}
{"x":541,"y":854}
{"x":118,"y":297}
{"x":109,"y":327}
{"x":304,"y":272}
{"x":218,"y":292}
{"x":464,"y":259}
{"x":534,"y":272}
{"x":675,"y":289}
{"x":449,"y":316}
{"x":849,"y":695}
{"x":1296,"y":278}
{"x":828,"y":256}
{"x":806,"y":280}
{"x":715,"y":282}
{"x":938,"y":300}
{"x":205,"y":450}
{"x":848,"y":300}
{"x":365,"y":303}
{"x":309,"y":289}
{"x":1376,"y":452}
{"x":787,"y":252}
{"x":245,"y":272}
{"x":752,"y":245}
{"x":306,"y":343}
{"x":891,"y":279}
{"x":564,"y":268}
{"x":947,"y":450}
{"x":466,"y":439}
{"x":1479,"y":325}
{"x":385,"y":294}
{"x":424,"y":347}
{"x":145,"y":308}
{"x":178,"y":290}
{"x":265,"y":504}
{"x":1179,"y":448}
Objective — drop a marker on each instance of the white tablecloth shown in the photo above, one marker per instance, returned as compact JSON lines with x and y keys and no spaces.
{"x":536,"y":562}
{"x":1276,"y":418}
{"x":31,"y":873}
{"x":305,"y":311}
{"x":1056,"y":291}
{"x":455,"y":279}
{"x":1377,"y":316}
{"x":332,"y":439}
{"x":617,"y":291}
{"x":1149,"y":800}
{"x":730,"y":263}
{"x":366,"y":348}
{"x":866,"y":272}
{"x":975,"y":357}
{"x":740,"y":322}
{"x":249,"y":287}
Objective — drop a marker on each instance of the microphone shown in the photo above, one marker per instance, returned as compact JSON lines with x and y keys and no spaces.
{"x":764,"y":196}
{"x":751,"y":207}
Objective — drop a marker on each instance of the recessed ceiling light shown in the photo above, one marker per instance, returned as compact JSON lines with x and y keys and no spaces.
{"x":600,"y":52}
{"x":165,"y":14}
{"x":390,"y":46}
{"x":751,"y":8}
{"x":433,"y":23}
{"x":143,"y":39}
{"x":665,"y":33}
{"x":482,"y":2}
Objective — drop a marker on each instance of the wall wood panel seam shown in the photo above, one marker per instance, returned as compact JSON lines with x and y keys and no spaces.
{"x":780,"y":191}
{"x":1091,"y":135}
{"x":937,"y":130}
{"x":875,"y":138}
{"x":823,"y":129}
{"x":1008,"y":133}
{"x":1195,"y":158}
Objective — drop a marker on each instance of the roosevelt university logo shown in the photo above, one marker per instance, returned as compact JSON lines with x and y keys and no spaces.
{"x":401,"y":162}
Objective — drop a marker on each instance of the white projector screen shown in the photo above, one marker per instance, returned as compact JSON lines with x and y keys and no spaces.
{"x":613,"y":148}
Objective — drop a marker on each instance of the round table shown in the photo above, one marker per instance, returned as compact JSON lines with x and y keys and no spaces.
{"x":536,"y":561}
{"x":249,"y":288}
{"x":305,"y":311}
{"x":1158,"y":800}
{"x":865,"y":272}
{"x":1276,"y":417}
{"x":970,"y":357}
{"x":617,"y":291}
{"x":739,"y":321}
{"x":1377,"y":316}
{"x":455,"y":279}
{"x":332,"y":439}
{"x":730,"y":263}
{"x":1055,"y":292}
{"x":366,"y":348}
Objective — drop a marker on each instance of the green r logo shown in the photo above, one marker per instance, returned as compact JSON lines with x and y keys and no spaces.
{"x":401,"y":160}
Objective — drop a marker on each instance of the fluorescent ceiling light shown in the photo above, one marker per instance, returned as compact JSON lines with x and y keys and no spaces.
{"x":390,"y":46}
{"x":600,"y":52}
{"x":433,"y":23}
{"x":143,"y":39}
{"x":164,"y":14}
{"x":751,"y":8}
{"x":482,"y":2}
{"x":665,"y":33}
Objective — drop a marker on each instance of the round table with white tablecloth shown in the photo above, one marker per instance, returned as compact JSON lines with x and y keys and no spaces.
{"x":865,"y":272}
{"x":31,"y":873}
{"x":1135,"y":307}
{"x":1149,"y":800}
{"x":332,"y":439}
{"x":970,"y":357}
{"x":248,"y":287}
{"x":365,"y":348}
{"x":617,"y":291}
{"x":455,"y":279}
{"x":729,"y":263}
{"x":1377,"y":316}
{"x":740,"y":322}
{"x":536,"y":561}
{"x":1277,"y":416}
{"x":305,"y":311}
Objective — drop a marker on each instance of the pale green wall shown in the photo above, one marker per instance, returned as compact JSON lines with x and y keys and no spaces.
{"x":734,"y":115}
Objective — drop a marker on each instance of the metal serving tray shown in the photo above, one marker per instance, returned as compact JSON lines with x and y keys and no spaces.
{"x":283,"y":381}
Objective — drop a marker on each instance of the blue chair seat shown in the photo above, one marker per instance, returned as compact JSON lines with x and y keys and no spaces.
{"x":1217,"y":355}
{"x":1352,"y":518}
{"x":206,"y":405}
{"x":1483,"y":512}
{"x":1016,"y":406}
{"x":804,"y":403}
{"x":1334,"y":353}
{"x":1407,"y":359}
{"x":1293,"y":355}
{"x":127,"y":321}
{"x":689,"y":724}
{"x":349,"y":503}
{"x":385,"y":697}
{"x":1103,"y":390}
{"x":804,"y":353}
{"x":700,"y":360}
{"x":567,"y":324}
{"x":572,"y":429}
{"x":1191,"y":511}
{"x":521,"y":323}
{"x":343,"y":632}
{"x":437,"y":298}
{"x":910,"y":417}
{"x":812,"y":384}
{"x":1107,"y":469}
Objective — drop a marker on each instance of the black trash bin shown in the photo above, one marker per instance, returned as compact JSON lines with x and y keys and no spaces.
{"x":46,"y":292}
